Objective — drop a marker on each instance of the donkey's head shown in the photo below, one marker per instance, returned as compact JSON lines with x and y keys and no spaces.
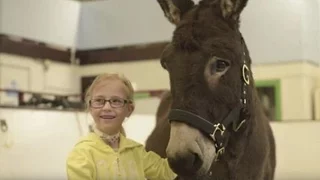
{"x":209,"y":69}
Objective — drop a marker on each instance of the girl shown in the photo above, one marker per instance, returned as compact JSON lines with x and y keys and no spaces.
{"x":106,"y":153}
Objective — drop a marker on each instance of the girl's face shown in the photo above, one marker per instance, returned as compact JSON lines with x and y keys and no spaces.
{"x":109,"y":105}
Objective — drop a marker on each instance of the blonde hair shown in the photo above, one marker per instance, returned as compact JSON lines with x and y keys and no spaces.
{"x":110,"y":76}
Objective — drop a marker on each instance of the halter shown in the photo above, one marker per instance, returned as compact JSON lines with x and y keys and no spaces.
{"x":236,"y":117}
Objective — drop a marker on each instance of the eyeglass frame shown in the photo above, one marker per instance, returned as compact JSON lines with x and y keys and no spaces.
{"x":125,"y":101}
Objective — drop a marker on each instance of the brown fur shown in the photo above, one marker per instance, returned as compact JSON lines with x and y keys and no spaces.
{"x":162,"y":125}
{"x":203,"y":31}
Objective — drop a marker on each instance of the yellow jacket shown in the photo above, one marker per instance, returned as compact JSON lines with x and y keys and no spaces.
{"x":93,"y":159}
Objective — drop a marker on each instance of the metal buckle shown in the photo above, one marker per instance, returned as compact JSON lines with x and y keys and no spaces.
{"x":218,"y":127}
{"x":245,"y":76}
{"x":219,"y":153}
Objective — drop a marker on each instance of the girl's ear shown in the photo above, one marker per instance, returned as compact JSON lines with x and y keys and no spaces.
{"x":130,"y":109}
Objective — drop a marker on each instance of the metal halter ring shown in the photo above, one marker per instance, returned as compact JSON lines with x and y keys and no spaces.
{"x":236,"y":128}
{"x":245,"y":74}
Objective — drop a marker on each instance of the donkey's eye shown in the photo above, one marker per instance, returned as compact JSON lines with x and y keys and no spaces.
{"x":219,"y":66}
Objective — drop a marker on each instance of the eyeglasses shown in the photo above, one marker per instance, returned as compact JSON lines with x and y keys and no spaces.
{"x":114,"y":102}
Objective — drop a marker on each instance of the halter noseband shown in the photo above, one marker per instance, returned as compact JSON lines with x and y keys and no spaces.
{"x":236,"y":117}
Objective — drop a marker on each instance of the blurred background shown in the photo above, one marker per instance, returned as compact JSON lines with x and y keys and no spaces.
{"x":50,"y":51}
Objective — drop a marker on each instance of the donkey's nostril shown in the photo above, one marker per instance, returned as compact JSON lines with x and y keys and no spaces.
{"x":185,"y":164}
{"x":197,"y":163}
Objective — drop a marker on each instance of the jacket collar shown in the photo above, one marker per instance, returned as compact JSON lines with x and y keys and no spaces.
{"x":125,"y":143}
{"x":108,"y":138}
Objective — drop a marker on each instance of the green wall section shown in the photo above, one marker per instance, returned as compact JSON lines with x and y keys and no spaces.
{"x":276,"y":84}
{"x":138,"y":96}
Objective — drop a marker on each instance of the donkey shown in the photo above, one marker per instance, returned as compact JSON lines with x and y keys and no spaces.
{"x":215,"y":126}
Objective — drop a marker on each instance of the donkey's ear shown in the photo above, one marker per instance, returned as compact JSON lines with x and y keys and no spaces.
{"x":175,"y":9}
{"x":232,"y":8}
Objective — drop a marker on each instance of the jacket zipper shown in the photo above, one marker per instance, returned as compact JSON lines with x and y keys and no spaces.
{"x":118,"y":164}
